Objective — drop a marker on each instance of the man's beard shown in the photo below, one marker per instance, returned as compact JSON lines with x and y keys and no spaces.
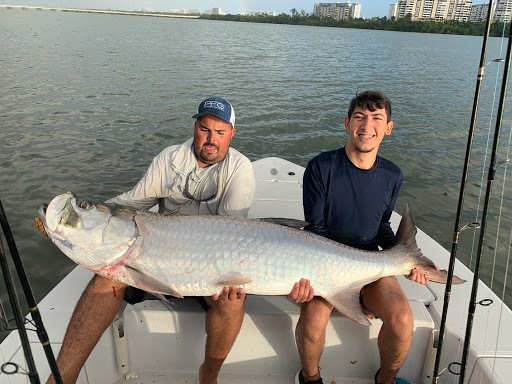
{"x":209,"y":158}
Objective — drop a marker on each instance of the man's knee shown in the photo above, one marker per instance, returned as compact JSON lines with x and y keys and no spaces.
{"x":100,"y":283}
{"x":313,"y":320}
{"x":401,"y":320}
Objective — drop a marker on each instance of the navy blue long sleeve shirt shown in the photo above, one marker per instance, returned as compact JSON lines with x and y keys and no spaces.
{"x":351,"y":205}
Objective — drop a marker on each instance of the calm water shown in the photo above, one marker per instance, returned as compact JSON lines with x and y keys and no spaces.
{"x":87,"y":100}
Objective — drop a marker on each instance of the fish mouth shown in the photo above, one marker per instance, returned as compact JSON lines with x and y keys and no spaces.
{"x":42,"y":211}
{"x":40,"y":222}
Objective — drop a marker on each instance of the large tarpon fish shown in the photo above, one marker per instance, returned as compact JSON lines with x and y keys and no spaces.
{"x":197,"y":255}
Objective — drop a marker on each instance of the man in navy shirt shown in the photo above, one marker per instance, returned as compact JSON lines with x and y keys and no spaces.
{"x":349,"y":195}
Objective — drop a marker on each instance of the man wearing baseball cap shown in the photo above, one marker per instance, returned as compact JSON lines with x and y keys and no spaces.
{"x":203,"y":176}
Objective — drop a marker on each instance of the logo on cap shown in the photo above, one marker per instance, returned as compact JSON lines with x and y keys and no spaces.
{"x":214,"y":104}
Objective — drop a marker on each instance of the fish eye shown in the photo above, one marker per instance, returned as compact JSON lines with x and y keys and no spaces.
{"x":85,"y":205}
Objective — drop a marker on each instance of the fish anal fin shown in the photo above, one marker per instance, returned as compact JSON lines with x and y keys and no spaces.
{"x":233,"y":278}
{"x":149,"y":284}
{"x":164,"y":299}
{"x":347,"y":303}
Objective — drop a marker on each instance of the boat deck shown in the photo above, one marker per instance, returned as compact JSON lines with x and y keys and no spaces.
{"x":151,"y":343}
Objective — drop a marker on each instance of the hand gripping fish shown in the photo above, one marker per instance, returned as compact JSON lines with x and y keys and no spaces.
{"x":197,"y":255}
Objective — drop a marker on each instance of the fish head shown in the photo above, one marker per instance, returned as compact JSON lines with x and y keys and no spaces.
{"x":91,"y":235}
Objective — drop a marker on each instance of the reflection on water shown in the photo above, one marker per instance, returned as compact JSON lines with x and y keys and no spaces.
{"x":87,"y":100}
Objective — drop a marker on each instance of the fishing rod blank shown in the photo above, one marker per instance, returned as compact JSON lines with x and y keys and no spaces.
{"x":18,"y":317}
{"x":34,"y":310}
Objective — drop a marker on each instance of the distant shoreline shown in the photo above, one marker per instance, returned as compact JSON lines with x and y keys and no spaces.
{"x":154,"y":14}
{"x":405,"y":24}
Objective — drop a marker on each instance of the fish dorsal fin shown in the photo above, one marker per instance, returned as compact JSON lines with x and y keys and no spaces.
{"x":233,"y":278}
{"x":297,"y":224}
{"x":149,"y":284}
{"x":406,"y":233}
{"x":347,"y":303}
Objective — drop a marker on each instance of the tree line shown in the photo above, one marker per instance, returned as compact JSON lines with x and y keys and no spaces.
{"x":405,"y":24}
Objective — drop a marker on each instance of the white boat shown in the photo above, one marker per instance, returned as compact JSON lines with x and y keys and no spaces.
{"x":151,"y":342}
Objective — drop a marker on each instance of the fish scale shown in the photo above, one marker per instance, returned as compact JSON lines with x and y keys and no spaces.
{"x":218,"y":243}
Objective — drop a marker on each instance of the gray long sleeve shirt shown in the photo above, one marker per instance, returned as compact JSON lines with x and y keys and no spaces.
{"x":178,"y":185}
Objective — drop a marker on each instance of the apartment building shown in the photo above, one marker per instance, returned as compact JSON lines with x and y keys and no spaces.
{"x":213,"y":11}
{"x":338,"y":11}
{"x":479,"y":12}
{"x":393,"y":11}
{"x":435,"y":9}
{"x":503,"y":11}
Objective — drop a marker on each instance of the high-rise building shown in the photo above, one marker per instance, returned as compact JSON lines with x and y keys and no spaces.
{"x":503,"y":11}
{"x":459,"y":10}
{"x":338,"y":11}
{"x":213,"y":11}
{"x":393,"y":10}
{"x":435,"y":9}
{"x":479,"y":12}
{"x":405,"y":7}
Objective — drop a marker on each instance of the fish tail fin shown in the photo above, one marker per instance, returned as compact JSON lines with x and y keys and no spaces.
{"x":405,"y":240}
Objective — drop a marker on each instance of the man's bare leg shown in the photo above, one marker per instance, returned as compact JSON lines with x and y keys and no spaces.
{"x":310,"y":335}
{"x":223,"y":322}
{"x":386,"y":299}
{"x":93,"y":313}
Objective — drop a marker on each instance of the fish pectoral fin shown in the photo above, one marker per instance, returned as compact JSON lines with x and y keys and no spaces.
{"x":233,"y":278}
{"x":149,"y":284}
{"x":347,"y":303}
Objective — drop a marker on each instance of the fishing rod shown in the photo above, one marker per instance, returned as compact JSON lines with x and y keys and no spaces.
{"x":15,"y":305}
{"x":462,"y":192}
{"x":490,"y":181}
{"x":18,"y":317}
{"x":34,"y":310}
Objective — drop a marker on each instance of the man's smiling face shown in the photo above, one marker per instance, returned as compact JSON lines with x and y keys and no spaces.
{"x":367,"y":129}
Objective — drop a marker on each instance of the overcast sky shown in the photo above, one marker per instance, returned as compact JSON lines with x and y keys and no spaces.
{"x":369,"y":8}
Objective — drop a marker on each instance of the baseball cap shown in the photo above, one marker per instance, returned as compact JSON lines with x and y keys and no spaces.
{"x":217,"y":106}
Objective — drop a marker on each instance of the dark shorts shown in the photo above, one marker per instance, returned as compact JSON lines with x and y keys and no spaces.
{"x":134,"y":295}
{"x":366,"y":312}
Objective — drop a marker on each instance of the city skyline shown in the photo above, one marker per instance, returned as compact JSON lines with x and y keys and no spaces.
{"x":369,"y":8}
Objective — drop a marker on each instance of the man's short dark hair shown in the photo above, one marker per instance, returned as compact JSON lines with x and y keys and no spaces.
{"x":370,"y":100}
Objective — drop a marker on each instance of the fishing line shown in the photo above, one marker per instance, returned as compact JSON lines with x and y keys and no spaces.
{"x":477,"y":210}
{"x":488,"y":319}
{"x":462,"y":191}
{"x":500,"y":212}
{"x":488,"y":322}
{"x":488,"y":193}
{"x":487,"y":144}
{"x":502,"y":303}
{"x":506,"y":161}
{"x":4,"y":322}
